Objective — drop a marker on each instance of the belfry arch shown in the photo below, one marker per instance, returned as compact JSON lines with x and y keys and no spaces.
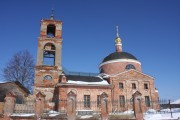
{"x":51,"y":30}
{"x":49,"y":54}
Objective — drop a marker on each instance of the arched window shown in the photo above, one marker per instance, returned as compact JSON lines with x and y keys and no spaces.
{"x":101,"y":71}
{"x":133,"y":86}
{"x":87,"y":101}
{"x":51,"y":30}
{"x":121,"y":86}
{"x":47,"y":77}
{"x":49,"y":54}
{"x":147,"y":101}
{"x":130,"y":66}
{"x":122,"y":100}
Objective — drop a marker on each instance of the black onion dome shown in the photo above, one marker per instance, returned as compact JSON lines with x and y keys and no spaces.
{"x":119,"y":55}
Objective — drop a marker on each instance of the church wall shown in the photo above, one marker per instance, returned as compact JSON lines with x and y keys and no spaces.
{"x":46,"y":86}
{"x":41,"y":72}
{"x":117,"y":67}
{"x":80,"y":91}
{"x":127,"y":90}
{"x":92,"y":91}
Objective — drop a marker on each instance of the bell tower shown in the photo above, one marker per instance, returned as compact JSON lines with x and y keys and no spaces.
{"x":48,"y":64}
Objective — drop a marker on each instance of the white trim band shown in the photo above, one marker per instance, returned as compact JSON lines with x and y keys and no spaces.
{"x":119,"y":60}
{"x":118,"y":44}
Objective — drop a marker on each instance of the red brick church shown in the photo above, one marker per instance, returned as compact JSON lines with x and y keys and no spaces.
{"x":119,"y":78}
{"x":120,"y":85}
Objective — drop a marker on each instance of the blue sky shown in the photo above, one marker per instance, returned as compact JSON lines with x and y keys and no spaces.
{"x":150,"y":30}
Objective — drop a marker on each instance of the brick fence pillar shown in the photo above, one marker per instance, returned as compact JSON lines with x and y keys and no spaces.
{"x":137,"y":105}
{"x":71,"y":103}
{"x":39,"y":105}
{"x":62,"y":105}
{"x":104,"y":106}
{"x":9,"y":104}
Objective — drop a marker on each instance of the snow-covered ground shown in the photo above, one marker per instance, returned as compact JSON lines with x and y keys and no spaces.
{"x":50,"y":114}
{"x":176,"y":102}
{"x":53,"y":113}
{"x":164,"y":114}
{"x":151,"y":114}
{"x":23,"y":114}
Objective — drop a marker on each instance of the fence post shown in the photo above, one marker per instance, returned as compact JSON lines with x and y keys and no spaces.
{"x":137,"y":105}
{"x":170,"y":108}
{"x":9,"y":104}
{"x":71,"y":105}
{"x":104,"y":106}
{"x":39,"y":105}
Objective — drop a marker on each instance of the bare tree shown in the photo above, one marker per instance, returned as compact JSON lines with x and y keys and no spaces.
{"x":20,"y":68}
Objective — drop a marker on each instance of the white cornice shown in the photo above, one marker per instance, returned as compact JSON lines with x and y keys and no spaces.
{"x":119,"y":60}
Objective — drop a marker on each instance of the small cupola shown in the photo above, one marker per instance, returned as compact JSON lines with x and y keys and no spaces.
{"x":118,"y":43}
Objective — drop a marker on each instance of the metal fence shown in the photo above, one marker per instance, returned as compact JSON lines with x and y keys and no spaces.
{"x":165,"y":107}
{"x":67,"y":72}
{"x":115,"y":106}
{"x":81,"y":73}
{"x":25,"y":106}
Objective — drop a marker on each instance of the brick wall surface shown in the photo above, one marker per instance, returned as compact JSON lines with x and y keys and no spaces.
{"x":1,"y":107}
{"x":132,"y":76}
{"x":117,"y":67}
{"x":81,"y":91}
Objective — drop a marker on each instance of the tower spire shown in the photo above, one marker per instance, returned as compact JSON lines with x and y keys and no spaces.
{"x":118,"y":43}
{"x":52,"y":14}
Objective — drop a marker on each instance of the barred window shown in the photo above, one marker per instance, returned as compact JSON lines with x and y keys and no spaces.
{"x":130,"y":66}
{"x":145,"y":86}
{"x":147,"y":101}
{"x":122,"y":101}
{"x":98,"y":100}
{"x":133,"y":86}
{"x":121,"y":86}
{"x":87,"y":101}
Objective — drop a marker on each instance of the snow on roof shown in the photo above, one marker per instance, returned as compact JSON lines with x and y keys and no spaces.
{"x":176,"y":101}
{"x":103,"y":82}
